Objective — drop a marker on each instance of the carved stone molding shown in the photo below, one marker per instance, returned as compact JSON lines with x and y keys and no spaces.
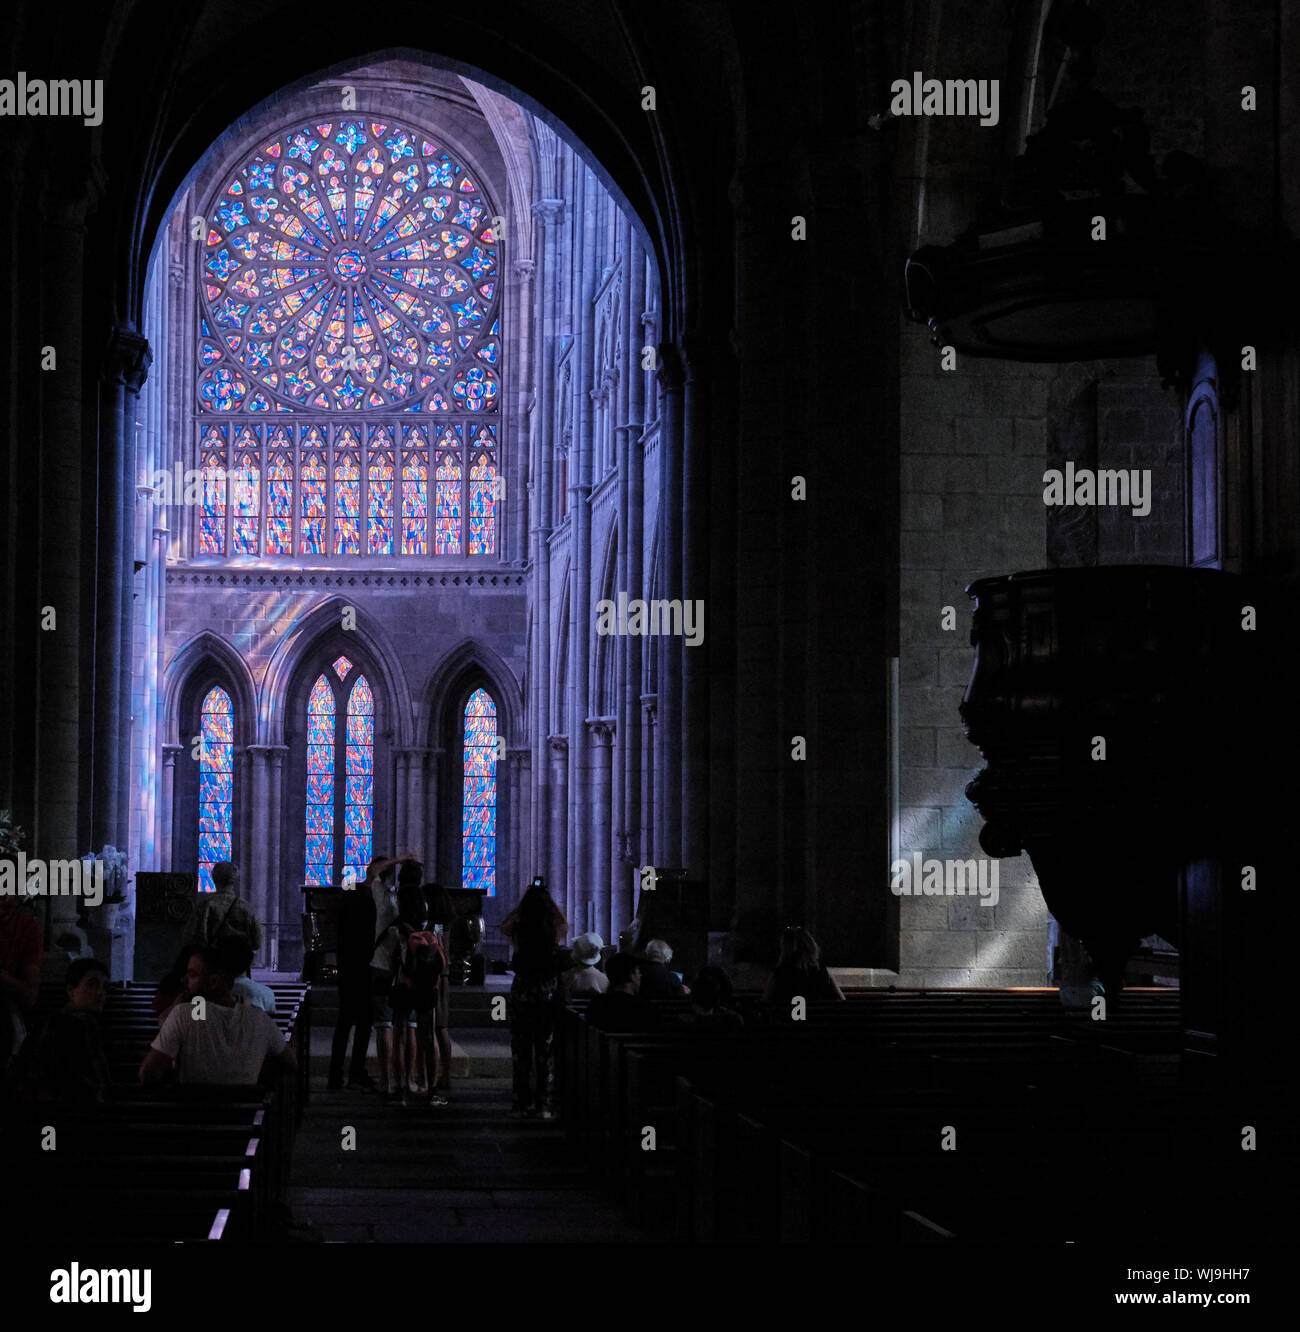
{"x":601,"y":730}
{"x":188,"y":577}
{"x":127,"y":359}
{"x":548,"y":211}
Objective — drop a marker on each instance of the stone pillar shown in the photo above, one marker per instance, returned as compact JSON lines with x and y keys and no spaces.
{"x":557,"y":875}
{"x":432,"y":823}
{"x":258,"y":811}
{"x":668,"y":733}
{"x":521,"y":839}
{"x":277,"y":887}
{"x":598,"y":884}
{"x":650,"y":786}
{"x":401,"y":771}
{"x":523,"y":270}
{"x":126,"y":363}
{"x":65,"y":525}
{"x":165,"y":853}
{"x":415,"y":803}
{"x":695,"y":660}
{"x":548,"y":213}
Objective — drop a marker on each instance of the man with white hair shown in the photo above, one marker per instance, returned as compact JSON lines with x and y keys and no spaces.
{"x":657,"y":981}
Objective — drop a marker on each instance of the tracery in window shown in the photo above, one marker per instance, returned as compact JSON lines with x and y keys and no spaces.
{"x":479,"y":821}
{"x":350,"y":269}
{"x":216,"y":783}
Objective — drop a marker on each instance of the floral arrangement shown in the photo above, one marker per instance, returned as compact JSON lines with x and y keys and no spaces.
{"x":115,"y":875}
{"x":11,"y":836}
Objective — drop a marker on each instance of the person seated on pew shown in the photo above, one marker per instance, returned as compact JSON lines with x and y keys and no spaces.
{"x":174,"y":986}
{"x":800,"y":972}
{"x":585,"y":976}
{"x":221,"y":1043}
{"x":710,"y":1003}
{"x":246,"y":989}
{"x":64,"y":1061}
{"x":657,"y":982}
{"x":621,"y":1007}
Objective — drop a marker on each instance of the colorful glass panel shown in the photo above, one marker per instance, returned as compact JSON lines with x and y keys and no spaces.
{"x":478,"y":824}
{"x":336,"y":270}
{"x":482,"y":506}
{"x":212,"y":518}
{"x":279,"y":505}
{"x":358,"y":810}
{"x":446,"y":514}
{"x":313,"y":505}
{"x":347,"y":504}
{"x":379,"y":503}
{"x":319,"y":868}
{"x":244,"y":505}
{"x":216,"y":783}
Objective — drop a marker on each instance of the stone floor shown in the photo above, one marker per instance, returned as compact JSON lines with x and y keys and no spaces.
{"x":467,"y":1174}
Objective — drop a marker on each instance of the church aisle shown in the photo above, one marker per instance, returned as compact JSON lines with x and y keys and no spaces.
{"x":467,"y":1174}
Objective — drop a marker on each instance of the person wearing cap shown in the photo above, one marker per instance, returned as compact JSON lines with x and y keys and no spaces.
{"x":585,"y":976}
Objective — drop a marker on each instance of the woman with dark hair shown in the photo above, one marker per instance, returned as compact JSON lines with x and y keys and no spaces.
{"x":444,"y":922}
{"x":535,"y":927}
{"x":800,"y":971}
{"x":174,"y":986}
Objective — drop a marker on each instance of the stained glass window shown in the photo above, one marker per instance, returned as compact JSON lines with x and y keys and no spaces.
{"x":350,"y":265}
{"x":358,"y":813}
{"x":350,"y":272}
{"x":320,"y":784}
{"x":349,"y":805}
{"x":479,"y":824}
{"x":216,"y":783}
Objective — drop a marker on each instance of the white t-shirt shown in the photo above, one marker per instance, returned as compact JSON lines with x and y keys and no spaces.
{"x":226,"y":1047}
{"x":388,"y":951}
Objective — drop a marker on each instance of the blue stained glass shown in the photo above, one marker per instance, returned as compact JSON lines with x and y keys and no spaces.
{"x":319,"y":822}
{"x":478,"y":824}
{"x":216,"y":781}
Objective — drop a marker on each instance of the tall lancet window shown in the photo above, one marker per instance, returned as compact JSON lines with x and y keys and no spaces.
{"x":216,"y":783}
{"x":349,"y":349}
{"x":479,"y":825}
{"x":340,"y":816}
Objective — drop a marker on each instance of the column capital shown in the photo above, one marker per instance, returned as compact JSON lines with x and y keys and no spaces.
{"x":672,"y":370}
{"x":548,"y":211}
{"x":524,"y":269}
{"x":559,"y":744}
{"x":601,"y":730}
{"x":169,"y":754}
{"x":127,"y":359}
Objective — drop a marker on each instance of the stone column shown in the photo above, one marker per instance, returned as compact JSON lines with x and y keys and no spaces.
{"x":65,"y":527}
{"x":557,"y":875}
{"x":169,"y":753}
{"x":126,"y":363}
{"x":415,"y":803}
{"x":277,"y":885}
{"x":521,"y":839}
{"x":523,"y":270}
{"x":668,"y":732}
{"x":432,"y":822}
{"x":401,"y":771}
{"x":258,"y":811}
{"x":598,"y":883}
{"x":695,"y":660}
{"x":548,"y":213}
{"x":650,"y":788}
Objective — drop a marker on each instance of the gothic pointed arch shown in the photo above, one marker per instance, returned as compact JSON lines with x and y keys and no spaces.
{"x":204,"y":660}
{"x":306,"y":638}
{"x":464,"y":666}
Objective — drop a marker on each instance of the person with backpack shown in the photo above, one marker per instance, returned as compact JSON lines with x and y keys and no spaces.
{"x":416,"y":994}
{"x":220,"y":915}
